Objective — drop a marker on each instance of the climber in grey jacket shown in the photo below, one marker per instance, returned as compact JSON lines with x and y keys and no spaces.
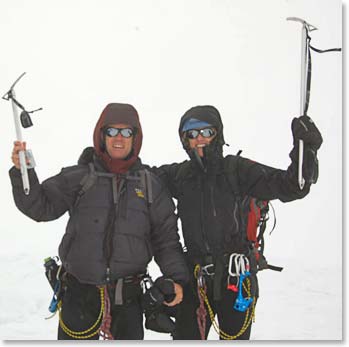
{"x":120,"y":217}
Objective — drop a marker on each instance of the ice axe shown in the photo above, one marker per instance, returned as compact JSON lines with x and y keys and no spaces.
{"x":305,"y":82}
{"x":26,"y":122}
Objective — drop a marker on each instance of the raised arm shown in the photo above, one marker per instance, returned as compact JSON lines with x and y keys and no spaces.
{"x":48,"y":200}
{"x":268,"y":183}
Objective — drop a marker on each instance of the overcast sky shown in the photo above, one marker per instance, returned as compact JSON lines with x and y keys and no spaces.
{"x":164,"y":57}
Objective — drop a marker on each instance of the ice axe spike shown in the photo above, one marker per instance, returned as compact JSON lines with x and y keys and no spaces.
{"x":306,"y":27}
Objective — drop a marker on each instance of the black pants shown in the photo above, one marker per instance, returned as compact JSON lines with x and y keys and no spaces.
{"x":81,"y":305}
{"x":230,"y":320}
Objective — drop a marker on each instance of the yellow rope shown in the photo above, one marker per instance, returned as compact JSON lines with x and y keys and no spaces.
{"x":248,"y":318}
{"x":82,"y":334}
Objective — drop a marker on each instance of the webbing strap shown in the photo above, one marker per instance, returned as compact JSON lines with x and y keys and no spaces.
{"x":309,"y":48}
{"x":275,"y":268}
{"x":91,"y":177}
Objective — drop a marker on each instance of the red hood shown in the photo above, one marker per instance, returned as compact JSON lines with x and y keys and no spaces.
{"x":112,"y":114}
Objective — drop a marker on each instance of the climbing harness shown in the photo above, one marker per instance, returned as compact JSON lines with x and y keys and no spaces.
{"x":201,"y":312}
{"x":102,"y":324}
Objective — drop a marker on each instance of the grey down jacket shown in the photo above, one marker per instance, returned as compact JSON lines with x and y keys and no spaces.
{"x":117,"y":222}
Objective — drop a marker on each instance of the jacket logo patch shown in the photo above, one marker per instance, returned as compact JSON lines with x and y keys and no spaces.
{"x":139,"y":193}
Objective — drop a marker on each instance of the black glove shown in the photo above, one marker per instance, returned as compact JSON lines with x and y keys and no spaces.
{"x":152,"y":299}
{"x":166,"y":287}
{"x":156,"y":318}
{"x":303,"y":128}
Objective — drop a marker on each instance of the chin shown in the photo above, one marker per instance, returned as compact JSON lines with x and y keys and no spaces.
{"x":118,"y":157}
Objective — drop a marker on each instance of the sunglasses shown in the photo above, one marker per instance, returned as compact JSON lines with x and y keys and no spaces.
{"x":206,"y":132}
{"x":125,"y":132}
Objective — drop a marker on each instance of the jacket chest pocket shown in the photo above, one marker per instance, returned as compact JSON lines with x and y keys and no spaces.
{"x":132,"y":235}
{"x":134,"y":212}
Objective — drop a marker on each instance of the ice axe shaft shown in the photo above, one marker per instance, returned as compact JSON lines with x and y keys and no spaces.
{"x":304,"y":81}
{"x":22,"y":158}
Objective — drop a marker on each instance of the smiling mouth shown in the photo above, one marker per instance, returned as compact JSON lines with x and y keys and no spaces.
{"x":118,"y":146}
{"x":201,"y":145}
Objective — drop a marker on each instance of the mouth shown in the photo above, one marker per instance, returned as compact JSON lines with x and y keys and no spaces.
{"x":201,"y":145}
{"x":118,"y":146}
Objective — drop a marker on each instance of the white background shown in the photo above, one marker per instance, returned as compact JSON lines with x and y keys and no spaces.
{"x":165,"y":57}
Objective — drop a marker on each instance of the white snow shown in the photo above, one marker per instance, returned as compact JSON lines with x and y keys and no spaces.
{"x":303,"y":302}
{"x":165,"y":57}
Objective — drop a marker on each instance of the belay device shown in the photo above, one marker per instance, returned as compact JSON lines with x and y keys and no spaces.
{"x":305,"y":82}
{"x":26,"y":122}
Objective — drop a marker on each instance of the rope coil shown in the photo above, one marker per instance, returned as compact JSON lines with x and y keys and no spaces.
{"x":88,"y":332}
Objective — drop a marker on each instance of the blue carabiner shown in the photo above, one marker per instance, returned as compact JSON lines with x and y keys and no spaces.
{"x":242,"y":304}
{"x":54,"y":302}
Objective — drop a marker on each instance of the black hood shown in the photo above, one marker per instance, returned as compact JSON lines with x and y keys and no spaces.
{"x":210,"y":115}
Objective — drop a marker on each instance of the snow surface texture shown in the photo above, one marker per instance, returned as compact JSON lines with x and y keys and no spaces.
{"x":164,"y":57}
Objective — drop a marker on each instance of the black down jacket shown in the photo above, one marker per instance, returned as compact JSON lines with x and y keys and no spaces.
{"x":113,"y":230}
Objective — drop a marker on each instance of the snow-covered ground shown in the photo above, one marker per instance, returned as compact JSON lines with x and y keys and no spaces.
{"x":303,"y":302}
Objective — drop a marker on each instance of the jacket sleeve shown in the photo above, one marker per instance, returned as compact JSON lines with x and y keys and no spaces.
{"x":267,"y":183}
{"x":50,"y":199}
{"x":165,"y":242}
{"x":167,"y":174}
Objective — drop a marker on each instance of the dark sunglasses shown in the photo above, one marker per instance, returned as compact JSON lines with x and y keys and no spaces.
{"x":206,"y":132}
{"x":125,"y":132}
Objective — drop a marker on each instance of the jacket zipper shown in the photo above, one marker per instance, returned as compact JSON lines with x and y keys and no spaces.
{"x":108,"y":243}
{"x":111,"y":230}
{"x":203,"y":229}
{"x":212,"y":202}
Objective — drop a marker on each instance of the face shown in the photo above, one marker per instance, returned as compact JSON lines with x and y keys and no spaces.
{"x":200,"y":141}
{"x":119,"y":147}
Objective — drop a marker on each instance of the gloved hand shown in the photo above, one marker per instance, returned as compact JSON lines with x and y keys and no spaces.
{"x":303,"y":128}
{"x":156,"y":319}
{"x":167,"y":288}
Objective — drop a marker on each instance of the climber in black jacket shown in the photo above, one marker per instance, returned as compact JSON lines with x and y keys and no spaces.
{"x":207,"y":188}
